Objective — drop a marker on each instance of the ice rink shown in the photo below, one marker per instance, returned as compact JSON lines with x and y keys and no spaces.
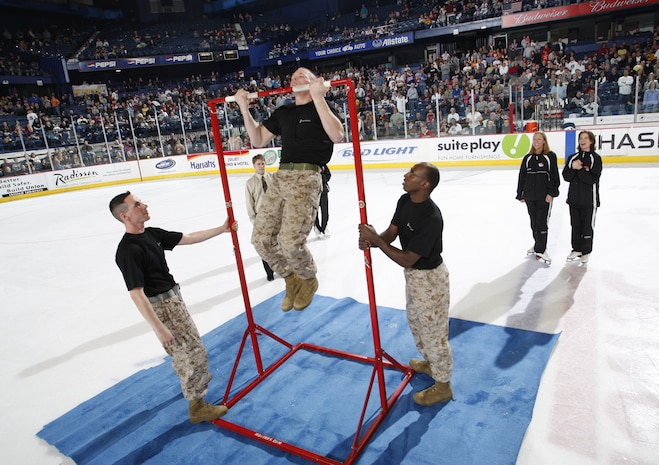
{"x":71,"y":330}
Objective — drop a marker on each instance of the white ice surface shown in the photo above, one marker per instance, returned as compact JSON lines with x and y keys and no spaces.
{"x":71,"y":330}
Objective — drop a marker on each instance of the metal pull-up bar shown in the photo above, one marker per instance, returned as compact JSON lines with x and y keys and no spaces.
{"x":380,"y":360}
{"x":268,"y":93}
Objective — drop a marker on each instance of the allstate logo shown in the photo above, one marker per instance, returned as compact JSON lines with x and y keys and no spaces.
{"x":377,"y":43}
{"x":516,"y":145}
{"x":165,"y":164}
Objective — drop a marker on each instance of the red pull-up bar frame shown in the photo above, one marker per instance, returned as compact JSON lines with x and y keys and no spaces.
{"x":380,"y":360}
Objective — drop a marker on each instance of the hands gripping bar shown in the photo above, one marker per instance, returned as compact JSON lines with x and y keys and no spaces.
{"x":255,"y":95}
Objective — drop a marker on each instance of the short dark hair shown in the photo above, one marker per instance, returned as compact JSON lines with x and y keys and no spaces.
{"x":116,"y":205}
{"x":431,"y":174}
{"x":257,"y":157}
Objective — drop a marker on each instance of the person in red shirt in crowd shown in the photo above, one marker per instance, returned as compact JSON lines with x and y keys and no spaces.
{"x":603,"y":51}
{"x":424,"y":131}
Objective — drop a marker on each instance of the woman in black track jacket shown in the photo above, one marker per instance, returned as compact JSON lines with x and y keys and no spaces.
{"x":537,"y":186}
{"x":583,"y":170}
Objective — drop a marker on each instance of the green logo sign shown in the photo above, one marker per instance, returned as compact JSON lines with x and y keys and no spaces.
{"x":271,"y":157}
{"x":516,"y":145}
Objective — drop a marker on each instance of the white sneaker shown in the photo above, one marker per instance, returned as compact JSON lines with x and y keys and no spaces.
{"x":543,"y":256}
{"x":584,"y":258}
{"x":573,"y":256}
{"x":530,"y":251}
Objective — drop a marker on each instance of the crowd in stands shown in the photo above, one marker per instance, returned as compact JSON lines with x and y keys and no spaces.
{"x":465,"y":93}
{"x":380,"y":21}
{"x":88,"y":42}
{"x":22,"y":48}
{"x":187,"y":37}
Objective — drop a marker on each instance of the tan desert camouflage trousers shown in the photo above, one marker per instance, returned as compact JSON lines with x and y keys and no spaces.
{"x":284,"y":220}
{"x":428,"y":298}
{"x":189,"y":357}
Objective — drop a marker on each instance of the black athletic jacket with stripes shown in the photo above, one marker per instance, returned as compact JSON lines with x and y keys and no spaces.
{"x":538,"y":176}
{"x":584,"y":188}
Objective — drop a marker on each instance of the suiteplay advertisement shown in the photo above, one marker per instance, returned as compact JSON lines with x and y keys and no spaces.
{"x":617,"y":145}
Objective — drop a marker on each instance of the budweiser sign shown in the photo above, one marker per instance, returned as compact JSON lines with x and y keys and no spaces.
{"x":571,"y":11}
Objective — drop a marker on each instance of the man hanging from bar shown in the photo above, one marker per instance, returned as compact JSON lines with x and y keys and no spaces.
{"x":309,"y":128}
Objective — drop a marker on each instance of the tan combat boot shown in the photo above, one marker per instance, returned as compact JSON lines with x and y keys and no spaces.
{"x":303,"y":298}
{"x":293,"y":283}
{"x":438,"y":392}
{"x":201,"y":411}
{"x":420,"y":366}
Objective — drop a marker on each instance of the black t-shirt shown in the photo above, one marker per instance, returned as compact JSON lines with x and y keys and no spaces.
{"x":302,"y":135}
{"x":420,"y":227}
{"x":141,"y":259}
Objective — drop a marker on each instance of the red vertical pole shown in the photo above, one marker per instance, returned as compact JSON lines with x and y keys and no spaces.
{"x":234,"y":235}
{"x":361,"y":196}
{"x":511,"y":118}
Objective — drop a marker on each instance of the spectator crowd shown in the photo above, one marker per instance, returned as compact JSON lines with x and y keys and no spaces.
{"x":457,"y":93}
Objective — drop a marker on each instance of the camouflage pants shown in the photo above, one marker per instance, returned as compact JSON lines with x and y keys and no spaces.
{"x":428,"y":298}
{"x":189,"y":357}
{"x":284,"y":220}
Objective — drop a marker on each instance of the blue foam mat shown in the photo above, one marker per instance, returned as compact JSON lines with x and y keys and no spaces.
{"x":314,"y":400}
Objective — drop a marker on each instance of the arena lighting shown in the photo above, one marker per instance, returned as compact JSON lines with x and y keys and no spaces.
{"x":380,"y":359}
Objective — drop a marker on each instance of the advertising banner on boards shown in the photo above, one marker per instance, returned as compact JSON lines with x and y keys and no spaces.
{"x":614,"y":145}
